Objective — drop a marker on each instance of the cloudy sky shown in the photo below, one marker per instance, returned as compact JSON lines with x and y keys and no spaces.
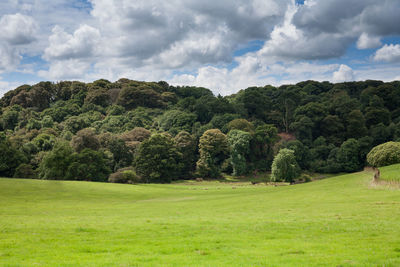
{"x":224,"y":45}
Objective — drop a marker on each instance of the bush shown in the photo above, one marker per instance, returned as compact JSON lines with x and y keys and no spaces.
{"x":384,"y":154}
{"x":124,"y":176}
{"x":25,"y":171}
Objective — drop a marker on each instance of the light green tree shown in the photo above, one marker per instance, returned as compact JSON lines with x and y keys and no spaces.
{"x":284,"y":166}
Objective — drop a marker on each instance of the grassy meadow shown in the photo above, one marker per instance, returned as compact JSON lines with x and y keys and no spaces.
{"x":340,"y":221}
{"x":390,"y":173}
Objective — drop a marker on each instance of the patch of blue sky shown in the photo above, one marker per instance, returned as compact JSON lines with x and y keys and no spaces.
{"x":81,"y":4}
{"x":251,"y":46}
{"x":391,"y":40}
{"x":20,"y":77}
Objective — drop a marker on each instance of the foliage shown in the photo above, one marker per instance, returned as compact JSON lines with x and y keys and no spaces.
{"x":55,"y":163}
{"x":323,"y":123}
{"x":348,"y":156}
{"x":241,"y":124}
{"x":88,"y":165}
{"x":124,"y":176}
{"x":186,"y":144}
{"x":175,"y":121}
{"x":284,"y":166}
{"x":213,"y":149}
{"x":85,"y":138}
{"x":384,"y":154}
{"x":158,"y":159}
{"x":239,"y":142}
{"x":25,"y":171}
{"x":10,"y":158}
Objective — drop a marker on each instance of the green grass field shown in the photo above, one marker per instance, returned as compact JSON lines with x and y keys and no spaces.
{"x":390,"y":173}
{"x":340,"y":221}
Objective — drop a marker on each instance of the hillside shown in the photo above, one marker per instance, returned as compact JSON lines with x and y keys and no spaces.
{"x":330,"y":127}
{"x":390,"y":173}
{"x":337,"y":221}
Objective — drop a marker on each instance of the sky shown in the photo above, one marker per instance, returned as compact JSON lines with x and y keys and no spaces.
{"x":224,"y":45}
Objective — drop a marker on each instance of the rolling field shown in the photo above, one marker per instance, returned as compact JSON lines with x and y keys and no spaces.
{"x":390,"y":173}
{"x":340,"y":221}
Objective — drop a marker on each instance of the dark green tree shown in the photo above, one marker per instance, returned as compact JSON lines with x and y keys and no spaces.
{"x":213,"y":149}
{"x":239,"y":142}
{"x":158,"y":159}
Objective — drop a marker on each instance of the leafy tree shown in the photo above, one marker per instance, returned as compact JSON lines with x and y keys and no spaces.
{"x":85,"y":138}
{"x":158,"y":159}
{"x":137,"y":134}
{"x":213,"y":149}
{"x":76,"y":123}
{"x":332,"y":129}
{"x":88,"y":165}
{"x":44,"y":142}
{"x":175,"y":121}
{"x":142,"y":96}
{"x":302,"y":127}
{"x":239,"y":142}
{"x":121,"y":153}
{"x":261,"y":145}
{"x":10,"y":118}
{"x":284,"y":166}
{"x":10,"y":158}
{"x":301,"y":153}
{"x":186,"y":144}
{"x":221,"y":121}
{"x":348,"y":156}
{"x":241,"y":124}
{"x":356,"y":124}
{"x":98,"y":97}
{"x":55,"y":163}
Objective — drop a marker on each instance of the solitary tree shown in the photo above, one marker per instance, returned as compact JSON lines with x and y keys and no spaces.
{"x":284,"y":166}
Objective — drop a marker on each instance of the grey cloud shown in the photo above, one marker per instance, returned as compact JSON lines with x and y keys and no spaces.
{"x":325,"y":29}
{"x":145,"y":30}
{"x":17,"y":29}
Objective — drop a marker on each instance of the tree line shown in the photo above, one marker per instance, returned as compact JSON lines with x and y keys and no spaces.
{"x":132,"y":131}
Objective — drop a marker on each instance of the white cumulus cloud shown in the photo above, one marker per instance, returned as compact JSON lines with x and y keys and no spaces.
{"x":366,"y":42}
{"x":17,"y":29}
{"x":388,"y":53}
{"x":81,"y":44}
{"x":344,"y":74}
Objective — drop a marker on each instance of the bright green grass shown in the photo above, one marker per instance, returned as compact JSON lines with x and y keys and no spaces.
{"x":390,"y":173}
{"x":340,"y":221}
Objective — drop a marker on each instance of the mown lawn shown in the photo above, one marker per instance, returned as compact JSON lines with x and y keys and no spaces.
{"x":390,"y":173}
{"x":340,"y":221}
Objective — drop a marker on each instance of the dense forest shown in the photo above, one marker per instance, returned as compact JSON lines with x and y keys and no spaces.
{"x":131,"y":131}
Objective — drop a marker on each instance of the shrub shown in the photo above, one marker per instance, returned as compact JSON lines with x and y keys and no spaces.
{"x":25,"y":171}
{"x":123,"y":176}
{"x":384,"y":154}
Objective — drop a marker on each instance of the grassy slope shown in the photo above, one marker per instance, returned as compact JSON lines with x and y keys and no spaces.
{"x":337,"y":221}
{"x":390,"y":173}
